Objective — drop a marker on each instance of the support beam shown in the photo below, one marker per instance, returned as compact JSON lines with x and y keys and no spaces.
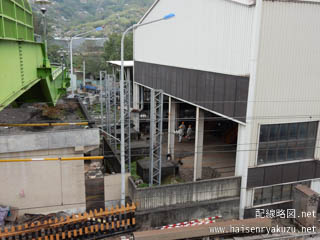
{"x":156,"y":118}
{"x":136,"y":107}
{"x":84,"y":74}
{"x":108,"y":97}
{"x":127,"y":124}
{"x":198,"y":146}
{"x":242,"y":163}
{"x":102,"y":100}
{"x":172,"y":119}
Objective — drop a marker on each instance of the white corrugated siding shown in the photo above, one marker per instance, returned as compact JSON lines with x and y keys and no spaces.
{"x":209,"y":35}
{"x":288,"y":71}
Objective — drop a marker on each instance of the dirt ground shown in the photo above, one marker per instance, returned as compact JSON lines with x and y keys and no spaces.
{"x":64,"y":111}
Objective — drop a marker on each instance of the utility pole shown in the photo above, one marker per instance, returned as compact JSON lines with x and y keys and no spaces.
{"x":123,"y":106}
{"x":84,"y":73}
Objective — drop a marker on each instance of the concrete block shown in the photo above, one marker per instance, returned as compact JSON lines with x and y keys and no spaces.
{"x":92,"y":137}
{"x":3,"y":145}
{"x":57,"y":139}
{"x":75,"y":138}
{"x":49,"y":140}
{"x":30,"y":184}
{"x":306,"y":205}
{"x":73,"y":182}
{"x":112,"y":187}
{"x":28,"y":142}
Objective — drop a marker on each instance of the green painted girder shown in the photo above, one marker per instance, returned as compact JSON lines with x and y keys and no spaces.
{"x":16,"y":20}
{"x":25,"y":70}
{"x":24,"y":65}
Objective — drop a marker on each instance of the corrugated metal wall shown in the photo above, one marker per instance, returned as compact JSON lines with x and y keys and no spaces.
{"x":207,"y":35}
{"x":288,"y":66}
{"x":221,"y":93}
{"x":288,"y":72}
{"x":277,"y":174}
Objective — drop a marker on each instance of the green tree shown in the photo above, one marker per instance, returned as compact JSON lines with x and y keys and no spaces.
{"x":53,"y":54}
{"x":112,"y":47}
{"x":94,"y":64}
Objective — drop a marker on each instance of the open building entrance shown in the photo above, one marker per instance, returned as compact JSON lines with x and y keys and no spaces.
{"x":211,"y":147}
{"x":208,"y":152}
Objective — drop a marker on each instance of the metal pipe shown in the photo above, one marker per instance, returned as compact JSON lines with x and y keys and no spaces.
{"x":122,"y":140}
{"x":110,"y":135}
{"x":51,"y":159}
{"x":42,"y":124}
{"x":101,"y":102}
{"x":84,"y":74}
{"x":71,"y":68}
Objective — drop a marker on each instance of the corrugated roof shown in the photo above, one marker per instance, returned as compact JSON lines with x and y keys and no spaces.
{"x":118,"y":63}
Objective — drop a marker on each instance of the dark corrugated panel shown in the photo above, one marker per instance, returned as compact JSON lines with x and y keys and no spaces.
{"x":217,"y":92}
{"x":317,"y":174}
{"x":255,"y":177}
{"x":272,"y":175}
{"x":284,"y":173}
{"x":307,"y":170}
{"x":290,"y":173}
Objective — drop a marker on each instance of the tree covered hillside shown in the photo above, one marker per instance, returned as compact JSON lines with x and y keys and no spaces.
{"x":68,"y":17}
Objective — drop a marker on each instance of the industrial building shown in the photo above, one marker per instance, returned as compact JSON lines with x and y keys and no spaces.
{"x":246,"y":75}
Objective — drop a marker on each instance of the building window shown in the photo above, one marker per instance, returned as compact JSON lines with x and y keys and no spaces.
{"x":275,"y":194}
{"x":287,"y":142}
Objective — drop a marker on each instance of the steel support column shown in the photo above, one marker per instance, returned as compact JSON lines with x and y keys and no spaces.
{"x":127,"y":124}
{"x":102,"y":75}
{"x":108,"y":93}
{"x":156,"y":118}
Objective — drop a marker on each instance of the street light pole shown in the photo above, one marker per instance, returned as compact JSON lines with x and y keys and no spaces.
{"x":73,"y":83}
{"x":43,"y":10}
{"x":122,"y":145}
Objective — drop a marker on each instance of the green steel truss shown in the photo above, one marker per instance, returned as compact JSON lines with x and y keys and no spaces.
{"x":25,"y":71}
{"x":16,"y":20}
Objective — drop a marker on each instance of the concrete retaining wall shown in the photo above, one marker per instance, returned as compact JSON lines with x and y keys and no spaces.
{"x":49,"y":140}
{"x":193,"y":192}
{"x":227,"y":208}
{"x":112,"y":189}
{"x":43,"y":187}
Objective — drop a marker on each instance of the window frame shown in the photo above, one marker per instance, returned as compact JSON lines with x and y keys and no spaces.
{"x":292,"y":184}
{"x":264,"y":148}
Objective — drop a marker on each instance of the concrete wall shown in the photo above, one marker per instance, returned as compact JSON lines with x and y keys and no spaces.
{"x":49,"y":140}
{"x":45,"y":186}
{"x":193,"y":192}
{"x":213,"y":36}
{"x":226,"y":208}
{"x":42,"y":187}
{"x":306,"y":203}
{"x":112,"y":189}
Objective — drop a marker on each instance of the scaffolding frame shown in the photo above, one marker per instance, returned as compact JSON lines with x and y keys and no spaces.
{"x":127,"y":123}
{"x":108,"y":91}
{"x":156,"y":122}
{"x":102,"y":76}
{"x":112,"y":120}
{"x":111,"y":110}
